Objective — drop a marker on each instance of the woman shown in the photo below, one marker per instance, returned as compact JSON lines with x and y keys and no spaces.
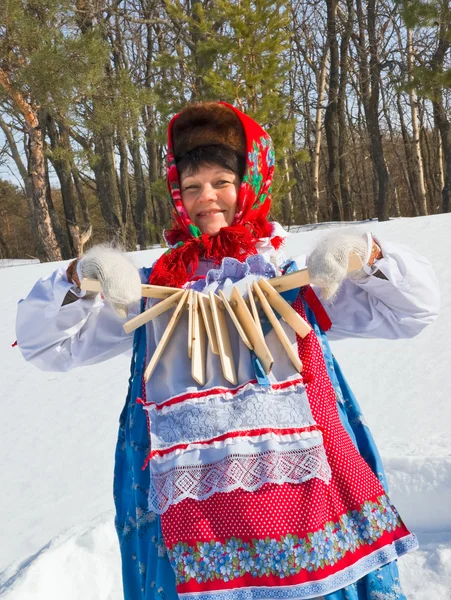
{"x":272,"y":487}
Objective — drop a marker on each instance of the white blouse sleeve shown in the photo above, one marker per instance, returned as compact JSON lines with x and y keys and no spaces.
{"x":58,"y":338}
{"x":397,"y":298}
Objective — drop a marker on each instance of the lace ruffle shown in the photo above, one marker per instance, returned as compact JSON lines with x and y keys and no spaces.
{"x":237,"y":471}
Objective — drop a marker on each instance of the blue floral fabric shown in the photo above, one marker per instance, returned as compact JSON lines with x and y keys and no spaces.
{"x":146,"y":571}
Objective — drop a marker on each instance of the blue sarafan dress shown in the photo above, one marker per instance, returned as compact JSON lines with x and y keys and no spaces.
{"x":147,"y":572}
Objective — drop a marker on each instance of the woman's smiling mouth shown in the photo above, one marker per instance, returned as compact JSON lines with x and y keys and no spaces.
{"x":209,"y":213}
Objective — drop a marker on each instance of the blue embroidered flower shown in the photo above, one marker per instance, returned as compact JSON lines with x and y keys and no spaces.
{"x":205,"y":550}
{"x":380,"y":519}
{"x":232,"y":548}
{"x":246,"y":561}
{"x":366,"y":530}
{"x":260,"y":547}
{"x":217,"y":550}
{"x":272,"y":547}
{"x":191,"y":566}
{"x":329,"y":529}
{"x":317,"y":540}
{"x":270,"y":158}
{"x":280,"y":564}
{"x":302,"y":556}
{"x":262,"y":563}
{"x":329,"y":552}
{"x":392,"y":519}
{"x":316,"y":559}
{"x":288,"y":544}
{"x":226,"y":568}
{"x":206,"y":570}
{"x":367,"y":510}
{"x":177,"y":552}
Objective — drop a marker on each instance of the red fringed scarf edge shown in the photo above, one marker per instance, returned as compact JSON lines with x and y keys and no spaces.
{"x":179,"y":264}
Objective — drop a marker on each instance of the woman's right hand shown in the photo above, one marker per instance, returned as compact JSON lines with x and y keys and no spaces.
{"x":118,"y":276}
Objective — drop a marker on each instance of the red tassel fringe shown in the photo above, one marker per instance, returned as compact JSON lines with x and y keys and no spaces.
{"x":179,"y":264}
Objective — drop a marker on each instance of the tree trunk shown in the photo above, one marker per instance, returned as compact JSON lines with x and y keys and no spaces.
{"x":370,"y":88}
{"x":141,"y":220}
{"x":106,"y":184}
{"x":36,"y":166}
{"x":444,"y":128}
{"x":416,"y":147}
{"x":124,"y":185}
{"x":4,"y":247}
{"x":373,"y":118}
{"x":348,"y":210}
{"x":61,"y":161}
{"x":321,"y":84}
{"x":440,"y":116}
{"x":331,"y":116}
{"x":81,"y":196}
{"x":60,"y":232}
{"x":36,"y":184}
{"x":157,"y":212}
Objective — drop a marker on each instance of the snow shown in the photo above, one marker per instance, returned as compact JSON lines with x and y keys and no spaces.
{"x":58,"y":431}
{"x":17,"y":262}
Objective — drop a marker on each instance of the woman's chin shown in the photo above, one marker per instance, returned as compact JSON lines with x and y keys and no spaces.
{"x":212,"y":228}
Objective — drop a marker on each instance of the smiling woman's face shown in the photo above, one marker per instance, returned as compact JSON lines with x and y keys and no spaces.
{"x":210,"y":196}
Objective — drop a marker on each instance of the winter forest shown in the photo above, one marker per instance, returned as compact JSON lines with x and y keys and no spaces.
{"x":356,"y":95}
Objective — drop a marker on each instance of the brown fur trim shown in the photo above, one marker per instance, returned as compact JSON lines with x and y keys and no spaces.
{"x":204,"y":124}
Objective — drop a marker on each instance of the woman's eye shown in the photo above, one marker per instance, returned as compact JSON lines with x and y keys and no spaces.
{"x":190,"y":188}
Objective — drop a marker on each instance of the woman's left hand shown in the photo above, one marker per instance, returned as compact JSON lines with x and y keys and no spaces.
{"x":328,"y":263}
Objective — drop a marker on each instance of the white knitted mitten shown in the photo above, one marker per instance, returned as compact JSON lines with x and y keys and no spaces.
{"x":118,"y":276}
{"x":328,"y":263}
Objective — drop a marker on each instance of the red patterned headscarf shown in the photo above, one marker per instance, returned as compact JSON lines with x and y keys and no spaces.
{"x":188,"y":244}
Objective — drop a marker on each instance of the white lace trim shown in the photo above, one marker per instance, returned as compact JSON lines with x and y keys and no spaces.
{"x":255,"y":440}
{"x":237,"y":471}
{"x":253,"y":408}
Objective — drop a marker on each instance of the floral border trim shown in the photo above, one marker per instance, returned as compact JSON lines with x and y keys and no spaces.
{"x":210,"y":561}
{"x":331,"y":584}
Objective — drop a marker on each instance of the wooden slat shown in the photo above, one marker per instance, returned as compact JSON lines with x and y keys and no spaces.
{"x":199,"y":344}
{"x":278,"y":329}
{"x":285,"y":310}
{"x":302,"y":277}
{"x":153,"y":312}
{"x":158,"y":291}
{"x":190,"y":322}
{"x":254,"y":309}
{"x":147,"y":291}
{"x":290,"y":281}
{"x":222,"y":335}
{"x":204,"y":304}
{"x":166,"y":336}
{"x":355,"y":263}
{"x":253,"y":333}
{"x":90,"y":285}
{"x":235,"y":320}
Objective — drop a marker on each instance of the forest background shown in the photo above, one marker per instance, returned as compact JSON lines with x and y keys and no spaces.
{"x":356,"y":95}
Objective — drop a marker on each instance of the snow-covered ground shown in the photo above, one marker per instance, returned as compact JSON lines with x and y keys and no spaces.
{"x":57,"y":437}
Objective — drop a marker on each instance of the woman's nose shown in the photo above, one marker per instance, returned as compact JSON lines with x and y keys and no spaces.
{"x":208,"y":193}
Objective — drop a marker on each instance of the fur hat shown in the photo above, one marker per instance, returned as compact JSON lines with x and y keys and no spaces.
{"x":205,"y":124}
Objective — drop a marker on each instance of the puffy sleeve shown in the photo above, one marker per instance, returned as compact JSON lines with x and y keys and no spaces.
{"x":396,"y":298}
{"x":58,"y":337}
